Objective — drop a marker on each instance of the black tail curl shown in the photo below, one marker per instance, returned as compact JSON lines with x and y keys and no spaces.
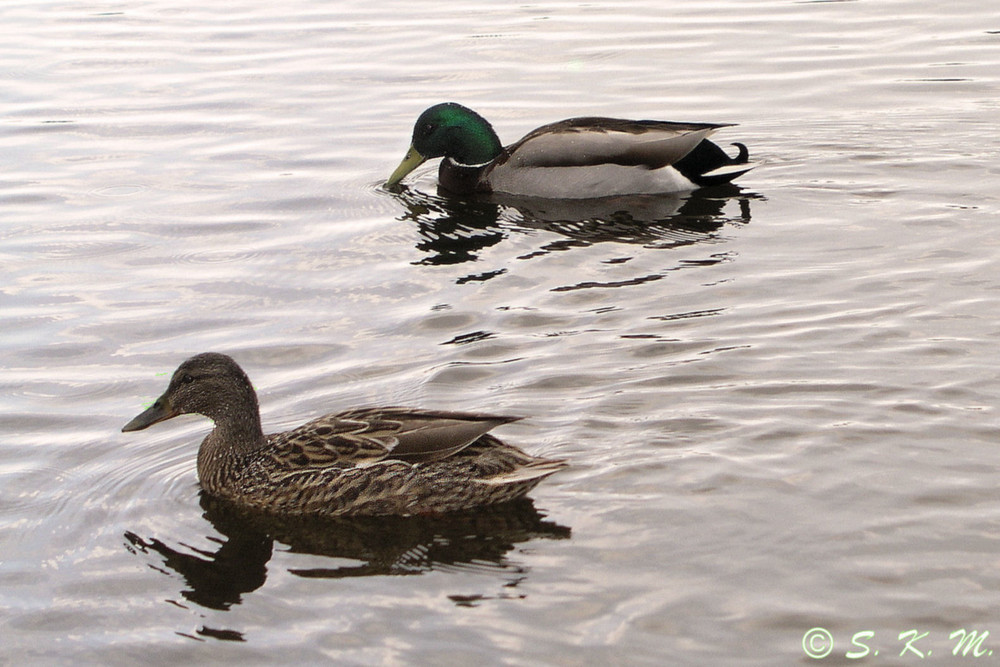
{"x":707,"y":157}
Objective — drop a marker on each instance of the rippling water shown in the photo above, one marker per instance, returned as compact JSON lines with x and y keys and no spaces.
{"x":779,"y":399}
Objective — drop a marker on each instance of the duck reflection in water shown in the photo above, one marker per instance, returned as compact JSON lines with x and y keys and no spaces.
{"x":379,"y":545}
{"x":454,"y":230}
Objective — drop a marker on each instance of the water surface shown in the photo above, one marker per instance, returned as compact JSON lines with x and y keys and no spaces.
{"x":779,"y":399}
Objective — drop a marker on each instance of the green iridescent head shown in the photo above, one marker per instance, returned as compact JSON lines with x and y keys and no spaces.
{"x":452,"y":131}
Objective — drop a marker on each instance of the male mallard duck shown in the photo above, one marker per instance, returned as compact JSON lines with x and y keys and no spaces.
{"x":572,"y":159}
{"x":369,"y":461}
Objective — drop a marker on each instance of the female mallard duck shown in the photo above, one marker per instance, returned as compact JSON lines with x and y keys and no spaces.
{"x":572,"y":159}
{"x":369,"y":461}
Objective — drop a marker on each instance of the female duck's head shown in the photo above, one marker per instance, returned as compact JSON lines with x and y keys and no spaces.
{"x":208,"y":384}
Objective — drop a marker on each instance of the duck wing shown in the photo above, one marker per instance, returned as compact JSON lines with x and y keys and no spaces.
{"x":591,"y":141}
{"x":364,"y":436}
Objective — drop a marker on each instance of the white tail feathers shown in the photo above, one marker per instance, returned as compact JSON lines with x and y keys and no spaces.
{"x":533,"y":471}
{"x":728,"y":169}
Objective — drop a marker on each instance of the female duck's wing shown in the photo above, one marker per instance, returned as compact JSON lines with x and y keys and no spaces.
{"x":580,"y":142}
{"x":428,"y":435}
{"x":368,"y":435}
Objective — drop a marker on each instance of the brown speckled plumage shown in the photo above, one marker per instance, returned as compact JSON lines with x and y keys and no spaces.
{"x":367,"y":461}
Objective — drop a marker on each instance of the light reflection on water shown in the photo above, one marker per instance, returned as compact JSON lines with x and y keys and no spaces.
{"x":778,"y":398}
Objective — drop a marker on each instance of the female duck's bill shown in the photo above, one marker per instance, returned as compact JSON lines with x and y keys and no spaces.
{"x":571,"y":159}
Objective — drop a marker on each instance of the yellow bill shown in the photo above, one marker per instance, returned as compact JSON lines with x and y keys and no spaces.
{"x":412,"y":160}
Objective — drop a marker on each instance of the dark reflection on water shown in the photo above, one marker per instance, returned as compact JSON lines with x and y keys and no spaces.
{"x":455,"y":230}
{"x":382,"y":546}
{"x":452,"y":230}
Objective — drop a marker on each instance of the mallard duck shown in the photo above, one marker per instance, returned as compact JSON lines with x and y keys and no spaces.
{"x":572,"y":159}
{"x":368,"y":461}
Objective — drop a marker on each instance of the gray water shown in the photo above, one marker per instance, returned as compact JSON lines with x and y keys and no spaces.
{"x":779,"y":400}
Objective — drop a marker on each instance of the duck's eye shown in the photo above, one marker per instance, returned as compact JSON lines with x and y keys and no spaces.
{"x":187,"y":379}
{"x":429,"y":128}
